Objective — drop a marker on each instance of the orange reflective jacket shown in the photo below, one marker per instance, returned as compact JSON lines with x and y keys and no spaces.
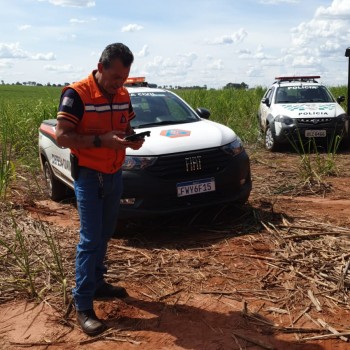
{"x":101,"y":116}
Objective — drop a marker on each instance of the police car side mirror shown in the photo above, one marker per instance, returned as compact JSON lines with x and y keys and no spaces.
{"x":341,"y":99}
{"x":203,"y":112}
{"x":266,"y":101}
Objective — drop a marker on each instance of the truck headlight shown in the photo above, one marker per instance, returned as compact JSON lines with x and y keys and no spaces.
{"x":344,"y":120}
{"x":138,"y":163}
{"x":284,"y":119}
{"x":233,"y":148}
{"x":343,"y":117}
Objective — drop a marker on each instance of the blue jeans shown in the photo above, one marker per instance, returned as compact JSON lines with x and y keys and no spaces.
{"x":98,"y":221}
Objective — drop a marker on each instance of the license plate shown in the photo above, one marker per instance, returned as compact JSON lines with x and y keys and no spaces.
{"x":315,"y":133}
{"x":190,"y":188}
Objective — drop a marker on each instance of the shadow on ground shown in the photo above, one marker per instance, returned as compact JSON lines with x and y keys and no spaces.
{"x":200,"y":329}
{"x":197,"y":228}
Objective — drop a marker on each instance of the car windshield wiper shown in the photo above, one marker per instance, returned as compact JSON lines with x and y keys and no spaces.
{"x":164,"y":122}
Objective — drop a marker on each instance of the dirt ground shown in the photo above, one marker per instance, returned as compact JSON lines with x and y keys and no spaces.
{"x":224,"y":278}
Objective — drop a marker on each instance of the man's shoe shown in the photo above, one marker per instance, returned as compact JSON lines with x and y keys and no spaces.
{"x":89,"y":322}
{"x":109,"y":291}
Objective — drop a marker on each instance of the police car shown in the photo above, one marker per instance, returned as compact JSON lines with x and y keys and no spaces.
{"x":187,"y":162}
{"x":297,"y":109}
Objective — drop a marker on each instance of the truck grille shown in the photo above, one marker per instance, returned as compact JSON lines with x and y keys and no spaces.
{"x":189,"y":164}
{"x":315,"y":121}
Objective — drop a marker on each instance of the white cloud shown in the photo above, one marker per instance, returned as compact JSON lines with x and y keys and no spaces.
{"x":236,"y":37}
{"x":240,"y":49}
{"x":244,"y":52}
{"x":66,"y":68}
{"x":77,"y":21}
{"x":72,"y":3}
{"x":305,"y":61}
{"x":171,"y":67}
{"x":260,"y":54}
{"x":186,"y":60}
{"x":24,"y":27}
{"x":255,"y":72}
{"x":216,"y":65}
{"x":328,"y":48}
{"x":67,"y":37}
{"x":131,"y":28}
{"x":12,"y":51}
{"x":144,"y":51}
{"x":44,"y":56}
{"x":4,"y":64}
{"x":313,"y":33}
{"x":339,"y":9}
{"x":322,"y":36}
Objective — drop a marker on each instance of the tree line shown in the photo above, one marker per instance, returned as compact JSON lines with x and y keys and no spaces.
{"x":33,"y":83}
{"x":241,"y":86}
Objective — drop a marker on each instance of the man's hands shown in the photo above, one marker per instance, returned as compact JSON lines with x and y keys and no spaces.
{"x":115,"y":140}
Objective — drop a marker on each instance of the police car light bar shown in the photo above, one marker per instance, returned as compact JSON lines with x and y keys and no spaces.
{"x":304,"y":77}
{"x":135,"y":80}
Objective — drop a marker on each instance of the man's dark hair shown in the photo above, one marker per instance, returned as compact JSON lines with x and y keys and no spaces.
{"x":116,"y":51}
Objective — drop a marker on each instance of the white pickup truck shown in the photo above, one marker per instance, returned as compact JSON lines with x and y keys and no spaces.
{"x":299,"y":108}
{"x":187,"y":162}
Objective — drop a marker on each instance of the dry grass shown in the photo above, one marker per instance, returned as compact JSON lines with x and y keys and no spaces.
{"x":285,"y":271}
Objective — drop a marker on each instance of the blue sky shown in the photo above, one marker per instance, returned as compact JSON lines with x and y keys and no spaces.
{"x":178,"y":43}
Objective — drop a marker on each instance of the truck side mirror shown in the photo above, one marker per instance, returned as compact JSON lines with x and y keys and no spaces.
{"x":266,"y":101}
{"x":203,"y":112}
{"x":340,"y":99}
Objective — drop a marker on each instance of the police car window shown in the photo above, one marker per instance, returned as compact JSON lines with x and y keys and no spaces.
{"x":269,"y":94}
{"x":303,"y":94}
{"x":286,"y":95}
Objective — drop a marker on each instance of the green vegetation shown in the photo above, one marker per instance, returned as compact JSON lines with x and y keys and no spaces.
{"x":314,"y":166}
{"x":23,"y":94}
{"x":235,"y":108}
{"x":24,"y":268}
{"x":22,"y":108}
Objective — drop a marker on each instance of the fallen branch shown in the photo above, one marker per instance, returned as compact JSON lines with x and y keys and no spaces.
{"x":39,"y":343}
{"x":314,"y":300}
{"x":331,"y":329}
{"x":301,"y":315}
{"x":277,"y":310}
{"x":260,"y":257}
{"x":170,"y":294}
{"x":326,"y":336}
{"x":342,"y":278}
{"x":316,"y":234}
{"x":254,"y":341}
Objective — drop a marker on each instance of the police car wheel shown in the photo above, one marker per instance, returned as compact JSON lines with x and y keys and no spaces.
{"x":270,"y":142}
{"x":55,"y":189}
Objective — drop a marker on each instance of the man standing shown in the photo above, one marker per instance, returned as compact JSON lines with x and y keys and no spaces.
{"x":93,"y":119}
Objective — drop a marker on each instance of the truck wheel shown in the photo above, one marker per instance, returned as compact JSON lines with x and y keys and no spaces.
{"x":270,"y":142}
{"x":121,"y":229}
{"x":55,"y":189}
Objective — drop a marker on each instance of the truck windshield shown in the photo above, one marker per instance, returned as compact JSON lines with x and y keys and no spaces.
{"x":159,"y":108}
{"x":303,"y":94}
